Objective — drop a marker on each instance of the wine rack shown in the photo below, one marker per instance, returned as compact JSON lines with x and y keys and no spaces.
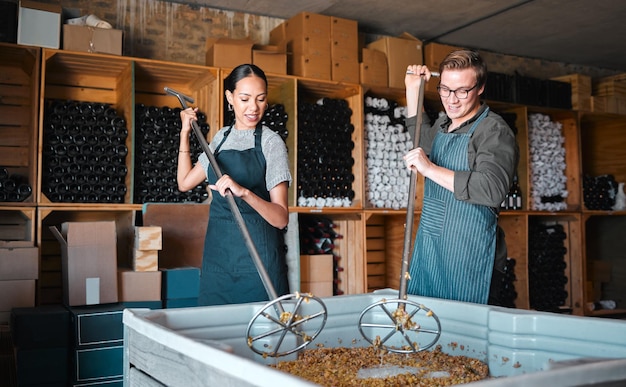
{"x":371,"y":247}
{"x":19,"y":104}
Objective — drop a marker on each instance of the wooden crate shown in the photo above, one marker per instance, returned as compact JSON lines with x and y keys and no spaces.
{"x":375,"y":252}
{"x":611,"y":85}
{"x":17,"y":224}
{"x":570,"y":132}
{"x":398,"y":96}
{"x":310,"y":91}
{"x":515,"y":229}
{"x":581,"y":90}
{"x":604,"y":261}
{"x":604,"y":150}
{"x":198,"y":82}
{"x":19,"y":98}
{"x":50,"y":285}
{"x":574,"y":271}
{"x":88,"y":77}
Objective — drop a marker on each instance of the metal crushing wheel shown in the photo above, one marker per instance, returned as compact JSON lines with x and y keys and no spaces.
{"x":282,"y":320}
{"x":400,"y":316}
{"x":281,"y":323}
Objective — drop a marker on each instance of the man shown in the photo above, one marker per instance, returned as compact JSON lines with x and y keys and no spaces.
{"x":468,"y":158}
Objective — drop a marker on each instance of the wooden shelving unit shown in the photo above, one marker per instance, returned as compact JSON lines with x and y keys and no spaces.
{"x":372,"y":245}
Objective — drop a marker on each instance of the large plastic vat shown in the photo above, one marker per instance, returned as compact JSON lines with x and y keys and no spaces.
{"x":207,"y":346}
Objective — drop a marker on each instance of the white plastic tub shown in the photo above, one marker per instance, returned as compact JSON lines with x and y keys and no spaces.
{"x":207,"y":346}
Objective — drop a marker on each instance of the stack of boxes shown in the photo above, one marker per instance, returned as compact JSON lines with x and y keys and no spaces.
{"x":96,"y":345}
{"x":41,"y":342}
{"x":89,"y":265}
{"x":39,"y":24}
{"x":141,"y":284}
{"x":19,"y":267}
{"x":320,"y":46}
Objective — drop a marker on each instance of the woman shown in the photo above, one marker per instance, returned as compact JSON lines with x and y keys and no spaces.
{"x":253,"y":160}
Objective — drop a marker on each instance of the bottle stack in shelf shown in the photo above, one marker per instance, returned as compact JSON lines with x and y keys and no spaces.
{"x":546,"y":266}
{"x":324,"y":154}
{"x":13,"y":187}
{"x":600,"y":192}
{"x":547,"y":164}
{"x":157,"y":141}
{"x":386,"y":143}
{"x":508,"y":294}
{"x":84,"y":153}
{"x":318,"y":236}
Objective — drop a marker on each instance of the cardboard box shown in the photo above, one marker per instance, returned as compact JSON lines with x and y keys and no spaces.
{"x":97,"y":364}
{"x":138,"y":285}
{"x":145,"y":260}
{"x":92,"y":39}
{"x":39,"y":24}
{"x":97,"y":325}
{"x":308,"y":34}
{"x":148,"y":238}
{"x":373,"y":68}
{"x":401,"y":52}
{"x":344,"y":50}
{"x":19,"y":263}
{"x":434,"y":54}
{"x":180,"y":283}
{"x":316,"y":268}
{"x":307,"y":38}
{"x":345,"y":71}
{"x":182,"y":246}
{"x":42,"y":366}
{"x":15,"y":294}
{"x":344,"y":34}
{"x":228,"y":53}
{"x":319,"y":289}
{"x":44,"y":326}
{"x":310,"y":66}
{"x":89,"y":262}
{"x":270,"y":58}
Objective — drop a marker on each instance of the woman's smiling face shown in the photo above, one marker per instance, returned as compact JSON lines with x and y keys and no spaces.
{"x":249,"y":101}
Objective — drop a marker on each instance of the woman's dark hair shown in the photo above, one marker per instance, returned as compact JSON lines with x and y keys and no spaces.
{"x":240,"y":72}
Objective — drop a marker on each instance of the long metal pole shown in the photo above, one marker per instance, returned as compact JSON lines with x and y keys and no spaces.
{"x":410,"y":208}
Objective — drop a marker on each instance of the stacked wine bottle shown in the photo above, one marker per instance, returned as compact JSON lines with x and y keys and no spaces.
{"x":318,"y":236}
{"x":84,"y":153}
{"x":387,"y":141}
{"x":157,"y":140}
{"x":599,"y":192}
{"x":546,"y":266}
{"x":507,"y":294}
{"x":13,"y":187}
{"x":325,"y":154}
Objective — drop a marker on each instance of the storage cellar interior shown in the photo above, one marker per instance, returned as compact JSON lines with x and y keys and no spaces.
{"x":91,"y":138}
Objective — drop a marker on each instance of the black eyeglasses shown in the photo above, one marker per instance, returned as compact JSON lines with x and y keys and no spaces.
{"x":459,"y":93}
